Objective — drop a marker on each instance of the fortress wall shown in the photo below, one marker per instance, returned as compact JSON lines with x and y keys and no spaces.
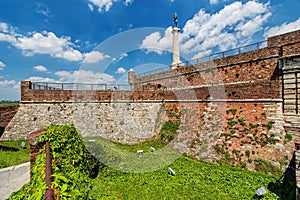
{"x":119,"y":122}
{"x":205,"y":97}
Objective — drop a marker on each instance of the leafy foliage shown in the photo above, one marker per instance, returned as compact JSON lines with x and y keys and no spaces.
{"x":169,"y":130}
{"x":72,"y":167}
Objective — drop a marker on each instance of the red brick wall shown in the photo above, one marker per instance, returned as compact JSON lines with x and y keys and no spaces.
{"x":7,"y":113}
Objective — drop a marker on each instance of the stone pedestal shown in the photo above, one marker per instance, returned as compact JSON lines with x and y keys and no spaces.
{"x":176,"y":54}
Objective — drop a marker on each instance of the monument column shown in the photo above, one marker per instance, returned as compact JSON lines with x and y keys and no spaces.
{"x":176,"y":53}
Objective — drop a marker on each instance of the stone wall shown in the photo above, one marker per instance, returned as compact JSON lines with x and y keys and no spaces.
{"x":130,"y":122}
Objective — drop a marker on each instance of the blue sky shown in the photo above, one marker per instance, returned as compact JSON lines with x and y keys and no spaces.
{"x":98,"y":41}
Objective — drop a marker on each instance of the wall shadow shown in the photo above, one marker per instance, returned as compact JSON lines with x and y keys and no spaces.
{"x":285,"y":186}
{"x":1,"y":130}
{"x":4,"y":148}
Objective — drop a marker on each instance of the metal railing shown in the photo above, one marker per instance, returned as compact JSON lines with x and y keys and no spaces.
{"x":49,"y":193}
{"x":77,"y":86}
{"x":231,"y":52}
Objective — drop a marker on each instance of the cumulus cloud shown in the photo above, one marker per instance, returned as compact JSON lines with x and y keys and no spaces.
{"x":101,"y":4}
{"x":9,"y":90}
{"x":41,"y":79}
{"x":127,"y":2}
{"x":7,"y":38}
{"x":48,"y":43}
{"x":3,"y":27}
{"x":284,"y":28}
{"x":84,"y":76}
{"x":120,"y":70}
{"x":94,"y":57}
{"x":8,"y":83}
{"x":155,"y":42}
{"x":229,"y":27}
{"x":40,"y":68}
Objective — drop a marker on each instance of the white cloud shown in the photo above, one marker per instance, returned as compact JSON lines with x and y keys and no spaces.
{"x":3,"y":27}
{"x":7,"y":38}
{"x":101,"y":4}
{"x":83,"y":76}
{"x":94,"y":57}
{"x":9,"y":90}
{"x":41,"y":79}
{"x":40,"y":68}
{"x":123,"y":55}
{"x":127,"y":2}
{"x":155,"y":42}
{"x":48,"y":43}
{"x":213,"y":1}
{"x":231,"y":26}
{"x":120,"y":70}
{"x":91,"y":7}
{"x":8,"y":83}
{"x":284,"y":28}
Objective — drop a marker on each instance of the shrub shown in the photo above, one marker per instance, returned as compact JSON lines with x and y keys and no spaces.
{"x":72,"y":167}
{"x":169,"y":130}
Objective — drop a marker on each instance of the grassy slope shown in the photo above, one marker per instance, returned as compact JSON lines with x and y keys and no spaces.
{"x":193,"y":180}
{"x":12,"y":154}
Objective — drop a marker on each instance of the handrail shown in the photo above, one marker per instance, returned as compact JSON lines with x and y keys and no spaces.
{"x":77,"y":86}
{"x":231,"y":52}
{"x":49,"y":194}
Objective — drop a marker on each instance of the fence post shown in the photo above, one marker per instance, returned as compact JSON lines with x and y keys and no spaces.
{"x":49,"y":194}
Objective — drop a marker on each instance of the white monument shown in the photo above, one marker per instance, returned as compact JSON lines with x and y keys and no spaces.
{"x":176,"y":54}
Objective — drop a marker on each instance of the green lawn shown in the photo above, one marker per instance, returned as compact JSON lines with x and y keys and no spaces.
{"x":12,"y":154}
{"x":72,"y":165}
{"x":193,"y":180}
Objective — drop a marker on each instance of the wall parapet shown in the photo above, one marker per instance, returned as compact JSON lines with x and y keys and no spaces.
{"x":277,"y":47}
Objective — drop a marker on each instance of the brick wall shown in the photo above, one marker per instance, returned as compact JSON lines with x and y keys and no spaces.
{"x":6,"y":115}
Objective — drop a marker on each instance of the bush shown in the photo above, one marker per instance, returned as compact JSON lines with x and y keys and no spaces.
{"x":72,"y":167}
{"x":169,"y":130}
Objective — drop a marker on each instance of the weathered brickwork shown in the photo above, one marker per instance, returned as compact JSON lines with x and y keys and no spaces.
{"x":7,"y":113}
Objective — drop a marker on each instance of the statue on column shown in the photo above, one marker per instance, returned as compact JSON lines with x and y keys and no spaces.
{"x":175,"y":20}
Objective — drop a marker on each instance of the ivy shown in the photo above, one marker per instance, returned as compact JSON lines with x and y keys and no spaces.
{"x":72,"y":167}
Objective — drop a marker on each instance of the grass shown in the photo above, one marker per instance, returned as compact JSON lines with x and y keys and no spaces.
{"x":12,"y":154}
{"x":193,"y":180}
{"x":9,"y":104}
{"x":128,"y":174}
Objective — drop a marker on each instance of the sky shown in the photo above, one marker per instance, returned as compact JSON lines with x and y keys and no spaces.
{"x":98,"y":41}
